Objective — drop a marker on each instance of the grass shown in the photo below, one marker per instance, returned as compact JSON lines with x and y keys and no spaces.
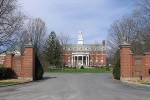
{"x":86,"y":70}
{"x":7,"y":83}
{"x":146,"y":83}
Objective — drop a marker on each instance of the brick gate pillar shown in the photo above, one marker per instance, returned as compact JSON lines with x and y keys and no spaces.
{"x":125,"y":61}
{"x":28,"y":69}
{"x":8,"y":60}
{"x":146,"y":71}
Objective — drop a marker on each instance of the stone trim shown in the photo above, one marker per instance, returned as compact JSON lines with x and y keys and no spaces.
{"x":125,"y":46}
{"x":147,"y":53}
{"x":29,"y":46}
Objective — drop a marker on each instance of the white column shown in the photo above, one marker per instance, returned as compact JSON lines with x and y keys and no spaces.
{"x":77,"y":60}
{"x":88,"y":60}
{"x":82,"y":60}
{"x":72,"y":60}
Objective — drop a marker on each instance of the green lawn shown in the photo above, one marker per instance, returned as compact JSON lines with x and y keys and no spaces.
{"x":146,"y":83}
{"x":86,"y":70}
{"x":7,"y":83}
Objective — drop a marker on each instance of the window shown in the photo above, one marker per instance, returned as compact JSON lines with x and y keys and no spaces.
{"x":69,"y":48}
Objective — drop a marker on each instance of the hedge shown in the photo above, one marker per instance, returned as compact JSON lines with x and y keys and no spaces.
{"x":82,"y":67}
{"x":38,"y":69}
{"x":116,"y":70}
{"x":7,"y":73}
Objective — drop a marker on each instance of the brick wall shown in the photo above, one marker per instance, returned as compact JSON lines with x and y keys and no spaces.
{"x":23,"y":66}
{"x":132,"y":67}
{"x":17,"y":64}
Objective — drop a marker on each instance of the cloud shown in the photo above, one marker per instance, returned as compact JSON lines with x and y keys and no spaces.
{"x":93,"y":17}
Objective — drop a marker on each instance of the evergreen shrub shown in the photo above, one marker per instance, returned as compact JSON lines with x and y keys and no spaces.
{"x":39,"y":71}
{"x":82,"y":67}
{"x":107,"y":68}
{"x":7,"y":73}
{"x":116,"y":70}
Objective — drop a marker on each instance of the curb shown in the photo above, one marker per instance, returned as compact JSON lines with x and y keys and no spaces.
{"x":16,"y":84}
{"x":135,"y":83}
{"x":127,"y":82}
{"x":21,"y":83}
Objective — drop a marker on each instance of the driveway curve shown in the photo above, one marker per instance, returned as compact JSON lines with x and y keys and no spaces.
{"x":84,"y":86}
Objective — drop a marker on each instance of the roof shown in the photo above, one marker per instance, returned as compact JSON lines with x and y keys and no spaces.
{"x":84,"y":47}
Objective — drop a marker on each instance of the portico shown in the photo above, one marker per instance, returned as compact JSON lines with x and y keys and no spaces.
{"x":80,"y":59}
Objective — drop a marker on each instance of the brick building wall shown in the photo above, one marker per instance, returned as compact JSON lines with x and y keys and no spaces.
{"x":2,"y":58}
{"x":92,"y":56}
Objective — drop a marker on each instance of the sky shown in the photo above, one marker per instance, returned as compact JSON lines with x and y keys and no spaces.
{"x":92,"y":17}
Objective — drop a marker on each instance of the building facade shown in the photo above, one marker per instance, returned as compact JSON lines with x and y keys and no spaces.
{"x":90,"y":55}
{"x":2,"y":58}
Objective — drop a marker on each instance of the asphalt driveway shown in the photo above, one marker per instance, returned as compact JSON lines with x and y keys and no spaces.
{"x":84,"y":86}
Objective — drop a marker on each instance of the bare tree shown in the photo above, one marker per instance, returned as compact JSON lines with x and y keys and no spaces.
{"x":136,"y":27}
{"x":93,"y":54}
{"x":128,"y":27}
{"x":11,"y":22}
{"x":36,"y":29}
{"x":142,"y":15}
{"x":64,"y":39}
{"x":23,"y":39}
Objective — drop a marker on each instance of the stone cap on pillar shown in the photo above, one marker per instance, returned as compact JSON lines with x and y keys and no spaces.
{"x":131,"y":52}
{"x":29,"y":45}
{"x":147,"y":53}
{"x":9,"y":53}
{"x":125,"y":44}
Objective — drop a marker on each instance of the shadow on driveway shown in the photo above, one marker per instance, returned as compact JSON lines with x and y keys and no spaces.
{"x":47,"y":78}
